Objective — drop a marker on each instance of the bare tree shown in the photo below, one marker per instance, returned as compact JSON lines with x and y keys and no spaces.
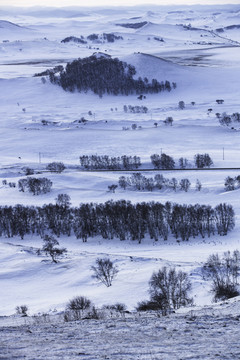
{"x":224,"y":273}
{"x":50,"y":248}
{"x":104,"y":271}
{"x":63,"y":200}
{"x":169,"y":289}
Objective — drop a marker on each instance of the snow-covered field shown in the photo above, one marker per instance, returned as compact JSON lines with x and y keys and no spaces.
{"x":204,"y":62}
{"x":210,"y":333}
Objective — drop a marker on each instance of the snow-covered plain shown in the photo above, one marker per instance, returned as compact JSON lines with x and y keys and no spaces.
{"x":205,"y":65}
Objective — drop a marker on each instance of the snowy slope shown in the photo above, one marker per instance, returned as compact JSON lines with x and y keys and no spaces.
{"x":203,"y":72}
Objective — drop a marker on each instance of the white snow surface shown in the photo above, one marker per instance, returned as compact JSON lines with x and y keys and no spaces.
{"x":205,"y":65}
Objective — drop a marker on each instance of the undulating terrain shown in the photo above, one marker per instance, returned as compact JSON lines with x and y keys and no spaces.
{"x":198,"y":49}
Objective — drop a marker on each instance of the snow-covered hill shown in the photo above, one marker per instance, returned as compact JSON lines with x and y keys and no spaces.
{"x":40,"y":123}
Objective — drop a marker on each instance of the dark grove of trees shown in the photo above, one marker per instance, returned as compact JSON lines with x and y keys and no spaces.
{"x":104,"y":75}
{"x":162,"y":161}
{"x":120,"y":219}
{"x":202,"y":161}
{"x":74,"y":39}
{"x":104,"y":162}
{"x":111,"y":37}
{"x":36,"y":186}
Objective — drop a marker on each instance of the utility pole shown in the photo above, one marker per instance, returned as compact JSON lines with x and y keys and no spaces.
{"x":39,"y":157}
{"x":223,"y":153}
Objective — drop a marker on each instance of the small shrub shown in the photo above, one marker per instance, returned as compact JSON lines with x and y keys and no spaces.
{"x":22,"y":310}
{"x":75,"y":308}
{"x":94,"y":314}
{"x":119,"y":307}
{"x":147,"y":305}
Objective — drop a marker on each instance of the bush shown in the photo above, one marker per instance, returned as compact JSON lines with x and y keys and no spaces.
{"x":94,"y":314}
{"x":104,"y":271}
{"x":22,"y":310}
{"x":79,"y":303}
{"x":224,"y":273}
{"x":119,"y":307}
{"x":28,"y":171}
{"x":148,"y":305}
{"x":56,"y":167}
{"x":75,"y":308}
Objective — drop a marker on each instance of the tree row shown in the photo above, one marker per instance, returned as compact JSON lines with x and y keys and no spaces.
{"x":117,"y":219}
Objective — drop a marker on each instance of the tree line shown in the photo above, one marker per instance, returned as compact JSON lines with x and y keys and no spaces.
{"x":94,"y":162}
{"x":163,"y":161}
{"x":117,"y":219}
{"x":109,"y":37}
{"x":137,"y":181}
{"x":104,"y":75}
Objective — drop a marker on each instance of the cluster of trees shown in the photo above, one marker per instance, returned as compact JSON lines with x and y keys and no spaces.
{"x":229,"y":120}
{"x":135,"y":109}
{"x":105,"y":75}
{"x":106,"y":37}
{"x":93,"y":37}
{"x":223,"y":271}
{"x":165,"y":161}
{"x":120,"y":219}
{"x":36,"y":186}
{"x":137,"y":181}
{"x":202,"y":161}
{"x":162,"y":161}
{"x":133,"y":25}
{"x":232,"y":183}
{"x":94,"y":162}
{"x":74,"y":39}
{"x":11,"y":184}
{"x":55,"y":166}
